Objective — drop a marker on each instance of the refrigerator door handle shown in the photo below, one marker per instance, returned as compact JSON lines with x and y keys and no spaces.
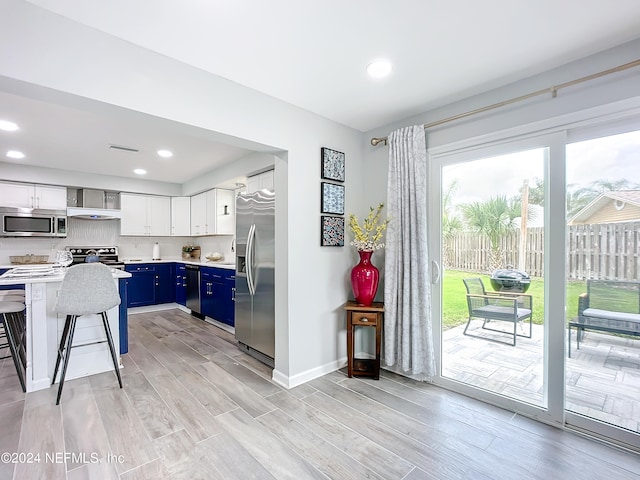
{"x":250,"y":251}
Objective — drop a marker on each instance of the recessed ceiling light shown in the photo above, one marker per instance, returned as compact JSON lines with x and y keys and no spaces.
{"x":15,"y":154}
{"x":8,"y":126}
{"x":379,"y":68}
{"x":140,"y":171}
{"x":165,"y":153}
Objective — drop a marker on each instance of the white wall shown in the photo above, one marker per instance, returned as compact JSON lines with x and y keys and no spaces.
{"x":52,"y":176}
{"x":44,"y":49}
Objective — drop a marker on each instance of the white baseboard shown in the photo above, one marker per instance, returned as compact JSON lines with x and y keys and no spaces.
{"x":156,"y":308}
{"x":223,"y":326}
{"x":304,"y":377}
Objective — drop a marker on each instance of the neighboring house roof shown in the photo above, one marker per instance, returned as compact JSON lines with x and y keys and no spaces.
{"x":610,"y":207}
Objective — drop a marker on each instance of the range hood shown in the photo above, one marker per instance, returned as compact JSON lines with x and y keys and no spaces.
{"x":93,"y":213}
{"x":94,"y":205}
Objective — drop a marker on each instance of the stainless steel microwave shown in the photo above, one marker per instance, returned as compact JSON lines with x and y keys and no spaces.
{"x":27,"y":222}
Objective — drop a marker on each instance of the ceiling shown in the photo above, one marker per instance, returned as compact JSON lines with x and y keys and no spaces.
{"x":314,"y":55}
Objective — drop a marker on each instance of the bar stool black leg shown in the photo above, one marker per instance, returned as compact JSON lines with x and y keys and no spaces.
{"x":112,"y":349}
{"x":3,"y":335}
{"x":10,"y":323}
{"x":67,"y":354}
{"x":63,"y":341}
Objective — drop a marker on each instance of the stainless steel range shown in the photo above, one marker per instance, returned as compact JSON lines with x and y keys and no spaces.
{"x":106,"y":255}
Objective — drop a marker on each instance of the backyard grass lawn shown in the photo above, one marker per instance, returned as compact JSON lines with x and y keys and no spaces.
{"x":454,"y":301}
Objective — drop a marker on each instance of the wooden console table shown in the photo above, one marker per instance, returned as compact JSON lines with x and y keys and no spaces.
{"x":361,"y":316}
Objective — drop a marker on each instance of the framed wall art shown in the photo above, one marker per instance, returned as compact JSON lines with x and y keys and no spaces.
{"x":332,"y":198}
{"x":332,"y":164}
{"x":332,"y":231}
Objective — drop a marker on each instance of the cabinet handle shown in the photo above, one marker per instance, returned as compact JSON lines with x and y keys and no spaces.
{"x":233,"y":294}
{"x":37,"y":202}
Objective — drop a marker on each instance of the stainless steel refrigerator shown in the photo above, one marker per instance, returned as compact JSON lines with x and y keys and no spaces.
{"x":255,"y":260}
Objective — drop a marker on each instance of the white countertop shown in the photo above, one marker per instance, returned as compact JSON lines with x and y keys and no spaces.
{"x":133,"y":261}
{"x":10,"y":278}
{"x":224,"y":264}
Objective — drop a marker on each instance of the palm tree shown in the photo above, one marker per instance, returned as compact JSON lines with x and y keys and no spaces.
{"x":451,"y":224}
{"x":493,"y":218}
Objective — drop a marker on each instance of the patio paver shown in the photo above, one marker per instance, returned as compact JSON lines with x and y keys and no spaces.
{"x":602,"y":378}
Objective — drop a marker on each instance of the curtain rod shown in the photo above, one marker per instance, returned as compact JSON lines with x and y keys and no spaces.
{"x":552,"y":90}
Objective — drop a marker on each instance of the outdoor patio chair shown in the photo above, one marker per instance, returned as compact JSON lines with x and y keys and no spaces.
{"x":511,"y":307}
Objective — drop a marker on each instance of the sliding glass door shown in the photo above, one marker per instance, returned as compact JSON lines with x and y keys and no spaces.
{"x":602,"y":289}
{"x":539,"y":223}
{"x":494,"y":313}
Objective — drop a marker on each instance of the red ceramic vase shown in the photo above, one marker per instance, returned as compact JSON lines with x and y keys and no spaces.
{"x":364,"y":279}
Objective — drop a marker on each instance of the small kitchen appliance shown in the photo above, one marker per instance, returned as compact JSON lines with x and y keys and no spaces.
{"x":28,"y":222}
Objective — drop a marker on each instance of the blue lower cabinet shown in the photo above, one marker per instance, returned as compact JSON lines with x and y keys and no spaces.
{"x":231,"y":299}
{"x":124,"y":318}
{"x":224,"y":299}
{"x":155,"y":283}
{"x":142,"y":285}
{"x":181,"y":284}
{"x":217,"y":287}
{"x":164,"y":282}
{"x":150,"y":284}
{"x":206,"y":291}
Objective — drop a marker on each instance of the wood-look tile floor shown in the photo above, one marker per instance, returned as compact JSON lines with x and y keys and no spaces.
{"x":194,"y":407}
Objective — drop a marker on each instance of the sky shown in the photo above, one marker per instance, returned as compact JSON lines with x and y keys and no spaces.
{"x":608,"y":158}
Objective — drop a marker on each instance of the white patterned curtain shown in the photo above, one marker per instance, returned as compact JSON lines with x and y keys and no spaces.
{"x":408,"y":339}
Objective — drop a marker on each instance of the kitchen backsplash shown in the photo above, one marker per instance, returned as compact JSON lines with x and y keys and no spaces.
{"x":107,"y":232}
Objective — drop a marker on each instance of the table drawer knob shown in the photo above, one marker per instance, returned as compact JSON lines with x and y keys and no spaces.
{"x":364,"y":318}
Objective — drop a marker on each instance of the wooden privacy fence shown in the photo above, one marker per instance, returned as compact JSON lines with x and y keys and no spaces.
{"x":603,"y":251}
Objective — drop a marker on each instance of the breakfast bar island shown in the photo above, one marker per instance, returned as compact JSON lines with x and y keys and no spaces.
{"x":44,"y":328}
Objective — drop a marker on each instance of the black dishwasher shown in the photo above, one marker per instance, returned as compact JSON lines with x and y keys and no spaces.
{"x":193,"y":289}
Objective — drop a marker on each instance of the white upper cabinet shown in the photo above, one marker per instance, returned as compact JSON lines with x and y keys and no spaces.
{"x":213,"y":212}
{"x":180,"y":216}
{"x":24,"y":195}
{"x":145,"y":215}
{"x":199,"y":214}
{"x":260,"y":181}
{"x":225,"y":212}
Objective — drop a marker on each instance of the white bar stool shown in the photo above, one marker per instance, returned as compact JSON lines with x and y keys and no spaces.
{"x":12,"y":298}
{"x":86,"y":288}
{"x":13,"y":291}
